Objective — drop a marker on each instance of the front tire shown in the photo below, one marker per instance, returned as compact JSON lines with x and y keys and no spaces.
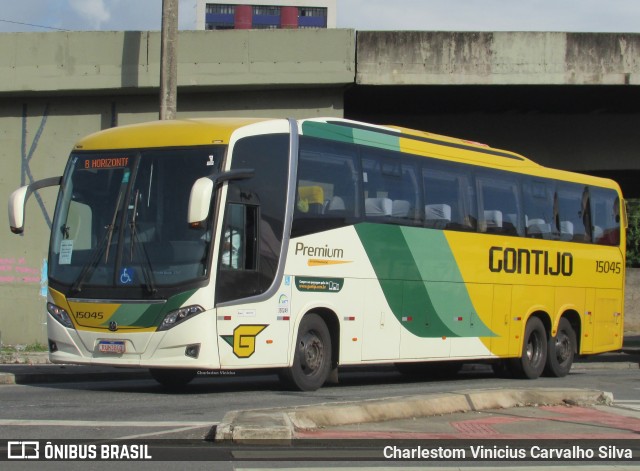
{"x":561,"y":350}
{"x":531,"y":363}
{"x":312,"y":355}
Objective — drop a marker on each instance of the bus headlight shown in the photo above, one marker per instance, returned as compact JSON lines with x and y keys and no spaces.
{"x":60,"y":315}
{"x":176,"y":317}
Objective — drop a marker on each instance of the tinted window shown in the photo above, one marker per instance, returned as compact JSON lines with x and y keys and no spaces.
{"x":327,"y":194}
{"x":390,"y":187}
{"x":342,"y":184}
{"x":239,"y":238}
{"x":540,"y":213}
{"x":499,"y":203}
{"x":448,"y":197}
{"x":264,"y":198}
{"x":574,"y":212}
{"x":605,"y":207}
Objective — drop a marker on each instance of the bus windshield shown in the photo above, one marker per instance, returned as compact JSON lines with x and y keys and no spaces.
{"x":121,"y":222}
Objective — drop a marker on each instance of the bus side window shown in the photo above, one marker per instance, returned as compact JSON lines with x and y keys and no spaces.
{"x":539,"y":213}
{"x":448,"y":199}
{"x":499,"y":201}
{"x":574,"y":212}
{"x":390,"y":187}
{"x":327,"y":187}
{"x":238,"y":247}
{"x":605,"y":208}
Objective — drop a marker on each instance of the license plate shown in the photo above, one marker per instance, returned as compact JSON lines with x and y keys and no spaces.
{"x":111,"y":346}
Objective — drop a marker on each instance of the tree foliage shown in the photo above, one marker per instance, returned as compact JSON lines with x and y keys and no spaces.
{"x":633,"y":233}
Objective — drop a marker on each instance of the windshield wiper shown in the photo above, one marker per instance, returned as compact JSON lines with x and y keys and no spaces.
{"x":89,"y":268}
{"x":145,"y":263}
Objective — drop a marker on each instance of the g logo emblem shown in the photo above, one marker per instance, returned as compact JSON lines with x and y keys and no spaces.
{"x":113,"y":326}
{"x":243,"y":339}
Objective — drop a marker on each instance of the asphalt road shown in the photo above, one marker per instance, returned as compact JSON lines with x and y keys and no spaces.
{"x":142,"y":409}
{"x":139,"y":409}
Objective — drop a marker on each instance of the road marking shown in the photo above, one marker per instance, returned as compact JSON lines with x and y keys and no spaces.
{"x":163,"y":432}
{"x":633,"y":404}
{"x":96,"y":423}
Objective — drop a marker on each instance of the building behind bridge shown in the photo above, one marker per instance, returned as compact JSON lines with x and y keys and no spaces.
{"x":265,"y":14}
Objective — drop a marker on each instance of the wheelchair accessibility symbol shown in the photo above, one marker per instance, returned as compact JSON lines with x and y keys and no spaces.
{"x":126,"y":276}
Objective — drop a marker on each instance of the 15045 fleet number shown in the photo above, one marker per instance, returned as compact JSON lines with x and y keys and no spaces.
{"x":89,"y":315}
{"x":605,"y":266}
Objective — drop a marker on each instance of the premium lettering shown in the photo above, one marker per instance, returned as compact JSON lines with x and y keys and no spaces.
{"x":325,"y":251}
{"x":530,"y":262}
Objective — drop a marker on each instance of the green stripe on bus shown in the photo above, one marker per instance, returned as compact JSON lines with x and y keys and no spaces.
{"x":147,"y":315}
{"x":350,"y":135}
{"x":445,"y":285}
{"x":431,"y":292}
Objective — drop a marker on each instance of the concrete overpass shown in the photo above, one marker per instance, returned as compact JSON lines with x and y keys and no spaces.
{"x":567,"y":100}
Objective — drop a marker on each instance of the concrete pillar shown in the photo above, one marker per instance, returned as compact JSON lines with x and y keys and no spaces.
{"x":243,"y":18}
{"x":289,"y":17}
{"x":169,"y":60}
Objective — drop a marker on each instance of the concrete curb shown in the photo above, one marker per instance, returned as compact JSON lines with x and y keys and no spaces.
{"x":256,"y":426}
{"x":29,"y":358}
{"x":280,"y":425}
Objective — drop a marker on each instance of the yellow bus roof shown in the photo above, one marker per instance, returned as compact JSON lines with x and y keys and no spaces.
{"x":441,"y":147}
{"x":514,"y":162}
{"x":208,"y":131}
{"x":169,"y":133}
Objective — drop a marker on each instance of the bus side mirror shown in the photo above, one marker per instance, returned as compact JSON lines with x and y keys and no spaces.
{"x":202,"y":191}
{"x":18,"y":201}
{"x":200,"y":200}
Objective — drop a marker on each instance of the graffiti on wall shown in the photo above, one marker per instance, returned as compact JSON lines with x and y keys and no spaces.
{"x":26,"y":176}
{"x":17,"y":269}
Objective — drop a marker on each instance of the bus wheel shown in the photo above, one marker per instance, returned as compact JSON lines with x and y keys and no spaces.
{"x":312,"y":356}
{"x":172,"y":377}
{"x":560,"y":350}
{"x":534,"y":351}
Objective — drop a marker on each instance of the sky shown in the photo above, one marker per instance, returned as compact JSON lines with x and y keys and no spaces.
{"x":425,"y":15}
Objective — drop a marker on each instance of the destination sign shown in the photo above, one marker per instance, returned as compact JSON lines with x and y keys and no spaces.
{"x":106,"y":162}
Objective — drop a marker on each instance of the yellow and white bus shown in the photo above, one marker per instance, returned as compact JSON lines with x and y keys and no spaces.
{"x":303,"y":246}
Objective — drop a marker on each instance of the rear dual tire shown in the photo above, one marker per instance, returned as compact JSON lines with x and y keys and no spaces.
{"x":561,"y":350}
{"x":541,"y":354}
{"x":533,"y":359}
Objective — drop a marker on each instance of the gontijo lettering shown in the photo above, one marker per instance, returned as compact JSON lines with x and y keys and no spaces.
{"x":530,"y":262}
{"x":111,"y":162}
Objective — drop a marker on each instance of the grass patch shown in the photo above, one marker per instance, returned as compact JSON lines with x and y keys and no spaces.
{"x":35,"y":347}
